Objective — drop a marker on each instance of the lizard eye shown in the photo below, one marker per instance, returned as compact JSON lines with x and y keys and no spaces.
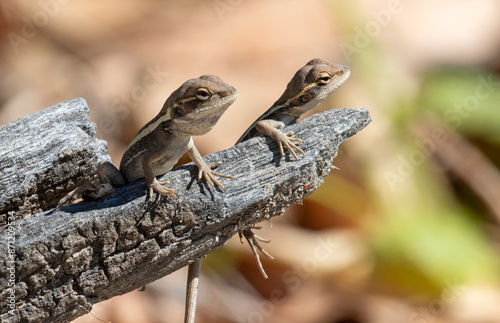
{"x":304,"y":98}
{"x":203,"y":94}
{"x":324,"y":78}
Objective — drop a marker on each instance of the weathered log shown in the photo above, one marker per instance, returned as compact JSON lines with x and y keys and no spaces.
{"x":91,"y":251}
{"x":44,"y":155}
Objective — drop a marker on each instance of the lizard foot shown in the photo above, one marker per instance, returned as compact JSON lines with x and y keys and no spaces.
{"x":90,"y":190}
{"x":271,"y":128}
{"x":286,"y":140}
{"x":160,"y":189}
{"x":253,"y":242}
{"x":206,"y":172}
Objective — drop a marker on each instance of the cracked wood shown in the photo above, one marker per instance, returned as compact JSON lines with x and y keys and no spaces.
{"x":91,"y":251}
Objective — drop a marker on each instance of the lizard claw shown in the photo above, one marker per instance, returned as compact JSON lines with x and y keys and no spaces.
{"x":71,"y":196}
{"x":286,"y":140}
{"x":271,"y":128}
{"x":91,"y":190}
{"x":206,"y":172}
{"x":253,"y":241}
{"x":160,"y":189}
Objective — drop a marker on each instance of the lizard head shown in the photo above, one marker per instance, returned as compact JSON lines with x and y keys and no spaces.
{"x":196,"y":106}
{"x":310,"y":85}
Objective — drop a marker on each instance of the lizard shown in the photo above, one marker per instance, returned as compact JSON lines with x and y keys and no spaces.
{"x":191,"y":110}
{"x":310,"y":85}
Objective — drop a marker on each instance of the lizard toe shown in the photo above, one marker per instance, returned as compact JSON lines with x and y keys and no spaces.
{"x":162,"y":190}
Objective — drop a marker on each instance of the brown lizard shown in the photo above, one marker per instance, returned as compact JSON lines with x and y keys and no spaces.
{"x":309,"y":86}
{"x":191,"y":110}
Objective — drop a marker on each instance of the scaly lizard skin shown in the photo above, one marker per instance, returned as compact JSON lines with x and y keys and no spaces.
{"x":309,"y":86}
{"x":191,"y":110}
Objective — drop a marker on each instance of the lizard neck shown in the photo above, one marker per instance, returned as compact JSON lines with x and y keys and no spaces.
{"x":285,"y":118}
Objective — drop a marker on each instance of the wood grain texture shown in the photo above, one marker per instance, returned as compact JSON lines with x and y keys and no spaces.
{"x":44,"y":155}
{"x":91,"y":251}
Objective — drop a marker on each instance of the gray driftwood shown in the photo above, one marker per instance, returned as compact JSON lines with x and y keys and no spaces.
{"x":44,"y":155}
{"x":91,"y":251}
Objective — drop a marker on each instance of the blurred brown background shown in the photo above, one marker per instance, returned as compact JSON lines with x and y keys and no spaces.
{"x":406,"y":231}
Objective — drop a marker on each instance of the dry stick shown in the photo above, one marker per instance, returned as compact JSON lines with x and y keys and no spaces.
{"x":192,"y":291}
{"x":91,"y":251}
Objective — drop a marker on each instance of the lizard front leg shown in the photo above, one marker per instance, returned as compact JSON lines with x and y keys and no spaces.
{"x":205,"y":170}
{"x":153,"y":183}
{"x":270,"y":128}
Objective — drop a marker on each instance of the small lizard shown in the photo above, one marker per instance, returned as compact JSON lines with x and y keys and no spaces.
{"x":191,"y":110}
{"x":309,"y":86}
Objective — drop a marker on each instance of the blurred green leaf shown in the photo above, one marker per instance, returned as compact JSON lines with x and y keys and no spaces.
{"x":467,"y":100}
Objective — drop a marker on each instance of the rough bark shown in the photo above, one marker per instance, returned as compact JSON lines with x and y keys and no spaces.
{"x":44,"y":155}
{"x":91,"y":251}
